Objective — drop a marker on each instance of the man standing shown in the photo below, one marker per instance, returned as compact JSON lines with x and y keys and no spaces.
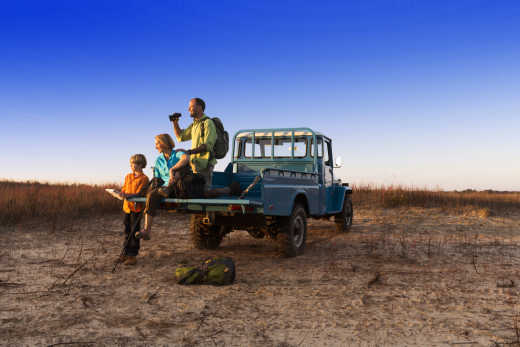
{"x":203,"y":134}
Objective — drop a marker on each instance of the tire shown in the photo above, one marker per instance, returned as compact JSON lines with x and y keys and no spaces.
{"x":343,"y":220}
{"x":293,"y":234}
{"x":205,"y":236}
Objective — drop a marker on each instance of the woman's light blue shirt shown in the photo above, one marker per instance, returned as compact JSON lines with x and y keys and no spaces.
{"x":163,"y":166}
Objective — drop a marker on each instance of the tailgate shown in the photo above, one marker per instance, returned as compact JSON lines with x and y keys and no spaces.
{"x":209,"y":205}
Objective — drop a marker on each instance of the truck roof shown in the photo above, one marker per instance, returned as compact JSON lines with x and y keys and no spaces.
{"x":278,"y":132}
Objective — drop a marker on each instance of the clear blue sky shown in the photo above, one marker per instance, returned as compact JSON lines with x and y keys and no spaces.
{"x":418,"y":93}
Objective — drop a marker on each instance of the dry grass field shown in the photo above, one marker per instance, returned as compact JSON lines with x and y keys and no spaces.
{"x":52,"y":203}
{"x":419,"y":268}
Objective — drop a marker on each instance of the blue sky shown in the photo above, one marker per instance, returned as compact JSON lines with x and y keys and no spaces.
{"x":418,"y":93}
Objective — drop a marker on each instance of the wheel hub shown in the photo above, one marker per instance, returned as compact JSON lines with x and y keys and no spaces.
{"x":298,"y":231}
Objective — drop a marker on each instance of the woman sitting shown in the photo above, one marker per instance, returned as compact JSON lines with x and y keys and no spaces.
{"x":167,"y":161}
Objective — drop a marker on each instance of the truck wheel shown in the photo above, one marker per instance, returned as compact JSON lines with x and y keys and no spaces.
{"x":205,"y":236}
{"x":293,"y":234}
{"x":343,"y":220}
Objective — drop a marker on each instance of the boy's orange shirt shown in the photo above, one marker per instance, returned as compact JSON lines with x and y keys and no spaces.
{"x":134,"y":185}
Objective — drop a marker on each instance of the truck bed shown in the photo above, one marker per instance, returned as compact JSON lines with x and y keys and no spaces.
{"x":275,"y":190}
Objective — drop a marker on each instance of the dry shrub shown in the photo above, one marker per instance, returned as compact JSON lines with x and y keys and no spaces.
{"x":480,"y":203}
{"x":483,"y":213}
{"x":23,"y":201}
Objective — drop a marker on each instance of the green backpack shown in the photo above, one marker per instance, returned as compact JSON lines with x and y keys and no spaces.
{"x":188,"y":275}
{"x":217,"y":271}
{"x":222,"y":143}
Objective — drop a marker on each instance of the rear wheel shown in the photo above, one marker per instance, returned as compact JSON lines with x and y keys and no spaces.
{"x":206,"y":236}
{"x":293,"y":233}
{"x":343,"y":220}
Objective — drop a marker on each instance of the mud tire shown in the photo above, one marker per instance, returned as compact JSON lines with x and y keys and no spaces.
{"x":206,"y":236}
{"x":293,"y":233}
{"x":343,"y":220}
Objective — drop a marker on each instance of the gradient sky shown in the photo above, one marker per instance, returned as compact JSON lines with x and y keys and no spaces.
{"x":418,"y":93}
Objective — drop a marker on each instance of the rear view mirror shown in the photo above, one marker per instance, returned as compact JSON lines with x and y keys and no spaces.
{"x":338,"y":162}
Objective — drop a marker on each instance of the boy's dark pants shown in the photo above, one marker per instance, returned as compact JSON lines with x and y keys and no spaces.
{"x":132,"y":224}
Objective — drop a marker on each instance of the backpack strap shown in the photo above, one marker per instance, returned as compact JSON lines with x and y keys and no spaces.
{"x":202,"y":128}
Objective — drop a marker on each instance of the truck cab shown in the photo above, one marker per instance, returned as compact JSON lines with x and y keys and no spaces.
{"x":300,"y":152}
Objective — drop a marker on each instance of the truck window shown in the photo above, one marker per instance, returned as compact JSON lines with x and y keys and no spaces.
{"x":282,"y":147}
{"x":326,"y":159}
{"x":263,"y":146}
{"x":248,"y":149}
{"x":320,"y":147}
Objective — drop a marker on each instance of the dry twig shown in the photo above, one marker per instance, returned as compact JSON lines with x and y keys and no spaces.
{"x":375,"y":279}
{"x":69,"y":276}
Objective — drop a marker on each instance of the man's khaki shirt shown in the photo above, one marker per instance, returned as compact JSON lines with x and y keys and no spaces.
{"x":199,"y":162}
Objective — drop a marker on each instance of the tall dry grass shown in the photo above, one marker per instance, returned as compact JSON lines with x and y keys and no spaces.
{"x":33,"y":201}
{"x":484,"y":202}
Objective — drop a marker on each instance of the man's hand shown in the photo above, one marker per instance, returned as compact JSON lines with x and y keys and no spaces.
{"x":156,"y":182}
{"x":172,"y":174}
{"x":175,"y":116}
{"x":201,"y":149}
{"x":176,"y":128}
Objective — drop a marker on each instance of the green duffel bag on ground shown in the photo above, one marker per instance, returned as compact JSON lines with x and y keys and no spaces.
{"x":188,"y":275}
{"x":219,"y":271}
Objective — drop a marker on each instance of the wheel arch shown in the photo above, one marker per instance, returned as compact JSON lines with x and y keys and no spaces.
{"x":347,"y":191}
{"x":301,"y":198}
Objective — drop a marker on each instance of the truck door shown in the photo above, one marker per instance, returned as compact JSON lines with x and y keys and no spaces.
{"x":322,"y":199}
{"x":328,"y":175}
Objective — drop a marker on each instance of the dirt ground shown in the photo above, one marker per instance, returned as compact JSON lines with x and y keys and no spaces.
{"x":400,"y":277}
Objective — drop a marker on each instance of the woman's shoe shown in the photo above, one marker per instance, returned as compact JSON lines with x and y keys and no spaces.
{"x":142,"y":234}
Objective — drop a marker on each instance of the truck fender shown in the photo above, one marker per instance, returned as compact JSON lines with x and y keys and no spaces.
{"x":300,"y":196}
{"x":342,"y":192}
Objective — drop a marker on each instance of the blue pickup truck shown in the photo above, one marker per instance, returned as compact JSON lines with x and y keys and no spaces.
{"x":288,"y":176}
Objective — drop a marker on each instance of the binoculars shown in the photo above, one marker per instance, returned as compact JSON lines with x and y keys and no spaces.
{"x":175,"y":116}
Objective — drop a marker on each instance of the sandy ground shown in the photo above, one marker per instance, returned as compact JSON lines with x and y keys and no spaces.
{"x":400,"y":277}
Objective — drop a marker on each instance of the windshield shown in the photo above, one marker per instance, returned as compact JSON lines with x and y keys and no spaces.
{"x":265,"y":146}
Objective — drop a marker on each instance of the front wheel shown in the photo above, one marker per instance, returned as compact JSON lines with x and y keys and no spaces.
{"x":206,"y":236}
{"x":343,"y":220}
{"x":293,"y":234}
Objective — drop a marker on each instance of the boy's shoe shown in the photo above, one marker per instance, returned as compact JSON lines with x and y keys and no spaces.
{"x":130,"y":260}
{"x":142,"y":234}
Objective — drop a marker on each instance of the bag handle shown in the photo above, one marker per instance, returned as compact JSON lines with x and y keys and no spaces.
{"x":186,"y":276}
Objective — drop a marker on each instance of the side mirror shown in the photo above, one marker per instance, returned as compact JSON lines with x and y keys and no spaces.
{"x":338,"y":162}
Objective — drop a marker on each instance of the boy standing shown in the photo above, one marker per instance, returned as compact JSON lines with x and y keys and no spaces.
{"x":135,"y":185}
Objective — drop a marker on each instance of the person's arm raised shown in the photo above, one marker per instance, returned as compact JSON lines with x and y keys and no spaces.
{"x":176,"y":128}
